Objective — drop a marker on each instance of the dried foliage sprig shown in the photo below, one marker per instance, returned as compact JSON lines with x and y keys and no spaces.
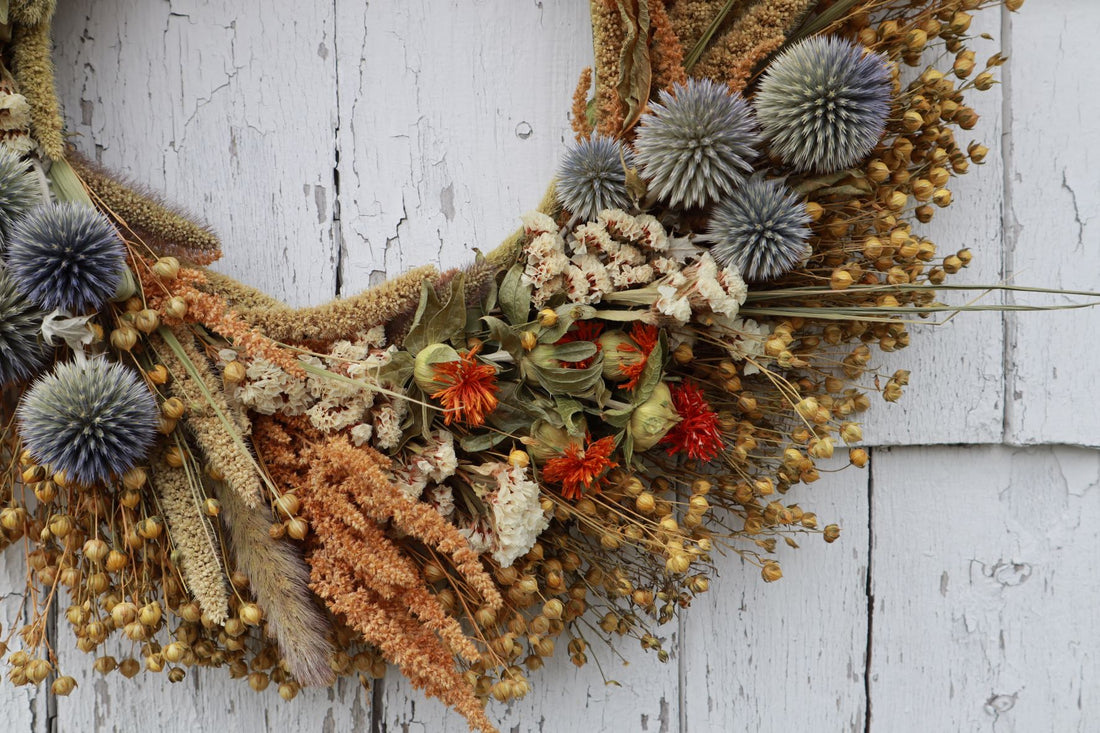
{"x":180,"y":494}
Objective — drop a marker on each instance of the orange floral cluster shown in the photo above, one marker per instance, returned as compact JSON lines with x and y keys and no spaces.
{"x":363,"y":574}
{"x":214,"y":312}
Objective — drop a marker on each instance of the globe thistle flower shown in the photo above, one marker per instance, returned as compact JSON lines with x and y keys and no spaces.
{"x":697,"y":144}
{"x":823,"y":104}
{"x":592,"y":177}
{"x":760,"y":230}
{"x":22,"y":353}
{"x":91,"y":420}
{"x":19,"y":190}
{"x":67,"y":256}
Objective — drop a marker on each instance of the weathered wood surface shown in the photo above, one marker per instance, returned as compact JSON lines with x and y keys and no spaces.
{"x":331,"y":143}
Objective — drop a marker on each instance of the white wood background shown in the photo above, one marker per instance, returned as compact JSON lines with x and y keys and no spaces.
{"x":332,"y":143}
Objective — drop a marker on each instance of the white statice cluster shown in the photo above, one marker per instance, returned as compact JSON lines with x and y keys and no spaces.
{"x":616,"y":252}
{"x":433,"y":461}
{"x":268,"y":389}
{"x":479,"y":535}
{"x":386,"y":423}
{"x":700,"y":287}
{"x":517,"y":518}
{"x":341,"y":398}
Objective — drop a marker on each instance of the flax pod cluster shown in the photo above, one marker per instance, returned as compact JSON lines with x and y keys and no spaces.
{"x":463,"y":473}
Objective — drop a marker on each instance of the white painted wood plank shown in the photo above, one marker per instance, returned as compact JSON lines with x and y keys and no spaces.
{"x":956,"y":392}
{"x":228,"y":111}
{"x":564,"y":698}
{"x":23,"y":708}
{"x":790,"y":655}
{"x":1054,"y":218}
{"x":452,"y":119}
{"x":984,"y":587}
{"x":232,"y":115}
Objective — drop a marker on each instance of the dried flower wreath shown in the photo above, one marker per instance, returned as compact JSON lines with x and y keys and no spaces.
{"x":452,"y":470}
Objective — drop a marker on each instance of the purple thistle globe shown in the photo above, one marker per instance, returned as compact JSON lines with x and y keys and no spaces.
{"x":22,"y":352}
{"x":760,"y":230}
{"x":65,"y":255}
{"x":591,"y":177}
{"x":19,"y":191}
{"x":697,"y":144}
{"x":823,"y":104}
{"x":92,"y":420}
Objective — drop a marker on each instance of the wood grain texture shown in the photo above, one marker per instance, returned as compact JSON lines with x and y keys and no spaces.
{"x":452,"y":118}
{"x":956,"y":390}
{"x":1053,"y":218}
{"x":342,"y":141}
{"x":790,"y":655}
{"x":985,"y":589}
{"x":229,"y":112}
{"x":24,"y":708}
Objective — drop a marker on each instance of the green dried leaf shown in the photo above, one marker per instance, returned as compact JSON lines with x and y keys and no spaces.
{"x":575,"y":382}
{"x":480,"y":442}
{"x":504,"y":335}
{"x":570,"y":411}
{"x":449,"y":322}
{"x":515,"y":297}
{"x":635,"y":72}
{"x":575,"y":351}
{"x":398,"y":371}
{"x":568,"y":314}
{"x":417,"y":337}
{"x":651,"y":372}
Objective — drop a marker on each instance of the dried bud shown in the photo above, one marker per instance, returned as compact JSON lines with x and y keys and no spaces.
{"x":173,"y":408}
{"x":547,"y":317}
{"x":124,"y":338}
{"x":519,"y":459}
{"x":858,"y":457}
{"x":62,"y":686}
{"x":831,"y":533}
{"x":771,"y":572}
{"x":424,"y":372}
{"x":167,"y":268}
{"x":652,"y":420}
{"x":977,"y":152}
{"x":147,"y":320}
{"x":176,"y":307}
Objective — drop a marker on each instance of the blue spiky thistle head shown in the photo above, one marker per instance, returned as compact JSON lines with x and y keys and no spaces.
{"x":65,"y":255}
{"x":823,"y":103}
{"x":592,"y":177}
{"x":760,"y":229}
{"x":697,"y":144}
{"x":22,"y":353}
{"x":91,"y":420}
{"x":19,"y":191}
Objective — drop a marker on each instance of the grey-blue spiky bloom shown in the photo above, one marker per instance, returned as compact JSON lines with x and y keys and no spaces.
{"x":823,"y":104}
{"x":65,"y":255}
{"x":697,"y":144}
{"x":22,"y":353}
{"x":91,"y":420}
{"x":592,"y":178}
{"x":760,"y":229}
{"x":19,"y":191}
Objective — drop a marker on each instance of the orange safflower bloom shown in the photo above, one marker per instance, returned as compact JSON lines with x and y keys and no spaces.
{"x":579,"y":469}
{"x":645,"y":336}
{"x":471,"y":389}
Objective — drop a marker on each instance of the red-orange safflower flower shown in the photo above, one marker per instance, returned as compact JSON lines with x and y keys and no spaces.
{"x":697,"y":434}
{"x":471,"y":389}
{"x":645,"y":336}
{"x":581,"y":469}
